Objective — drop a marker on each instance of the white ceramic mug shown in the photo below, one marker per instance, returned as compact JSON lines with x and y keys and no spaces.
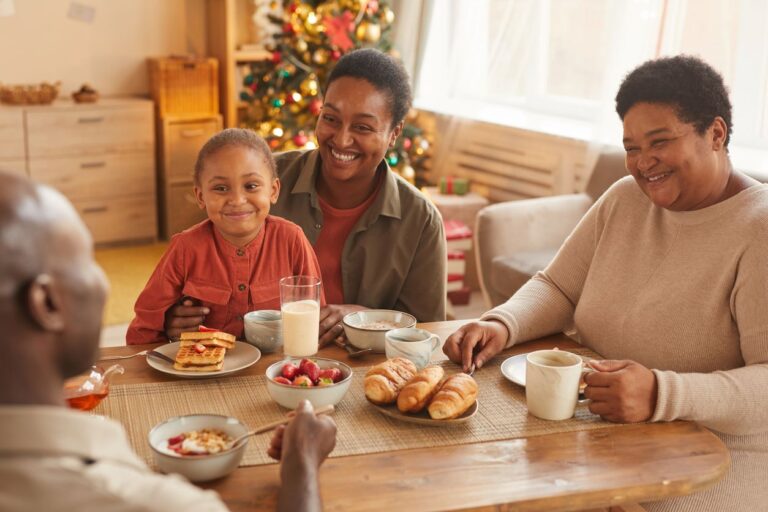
{"x":411,"y":343}
{"x":264,"y":329}
{"x":552,"y":383}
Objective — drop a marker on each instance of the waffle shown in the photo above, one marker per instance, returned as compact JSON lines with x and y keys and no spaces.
{"x":209,"y":339}
{"x":189,"y":359}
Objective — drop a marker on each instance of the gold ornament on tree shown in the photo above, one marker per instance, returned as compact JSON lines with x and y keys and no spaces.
{"x":387,"y":15}
{"x":370,"y":32}
{"x":320,"y":57}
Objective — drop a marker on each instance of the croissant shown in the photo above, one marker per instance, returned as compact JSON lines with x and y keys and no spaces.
{"x":420,"y":389}
{"x":384,"y":381}
{"x":456,"y":395}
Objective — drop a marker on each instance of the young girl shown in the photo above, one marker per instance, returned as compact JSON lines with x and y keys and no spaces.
{"x":232,"y":262}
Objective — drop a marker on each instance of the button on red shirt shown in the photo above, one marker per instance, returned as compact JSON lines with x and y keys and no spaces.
{"x":228,"y":280}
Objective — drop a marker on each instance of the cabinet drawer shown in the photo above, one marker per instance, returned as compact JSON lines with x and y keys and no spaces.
{"x":183,"y":141}
{"x":11,"y":133}
{"x":97,"y":176}
{"x":179,"y":209}
{"x":90,"y":131}
{"x":120,"y":219}
{"x":14,"y":166}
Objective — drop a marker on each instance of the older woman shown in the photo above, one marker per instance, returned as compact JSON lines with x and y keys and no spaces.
{"x":379,"y":241}
{"x":665,"y":276}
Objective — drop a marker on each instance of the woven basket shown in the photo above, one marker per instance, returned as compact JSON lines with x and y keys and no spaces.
{"x":36,"y":94}
{"x":184,"y":86}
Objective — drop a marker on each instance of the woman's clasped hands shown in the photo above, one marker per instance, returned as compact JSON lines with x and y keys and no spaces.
{"x":619,"y":391}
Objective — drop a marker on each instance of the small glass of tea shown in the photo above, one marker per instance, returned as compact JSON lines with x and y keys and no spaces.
{"x":85,"y":391}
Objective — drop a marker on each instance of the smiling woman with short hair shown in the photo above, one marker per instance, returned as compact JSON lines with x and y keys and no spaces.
{"x":379,"y":241}
{"x":666,"y":277}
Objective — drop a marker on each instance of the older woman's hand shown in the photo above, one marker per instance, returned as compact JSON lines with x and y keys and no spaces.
{"x":621,"y":391}
{"x":330,"y":321}
{"x":483,"y":340}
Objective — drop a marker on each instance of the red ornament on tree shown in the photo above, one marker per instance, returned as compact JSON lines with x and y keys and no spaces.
{"x":315,"y":106}
{"x":300,"y":139}
{"x":407,"y":143}
{"x":335,"y":54}
{"x":277,"y":57}
{"x":338,"y":29}
{"x":287,"y":28}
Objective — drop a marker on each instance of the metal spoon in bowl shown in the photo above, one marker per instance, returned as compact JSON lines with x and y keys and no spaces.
{"x":328,"y":409}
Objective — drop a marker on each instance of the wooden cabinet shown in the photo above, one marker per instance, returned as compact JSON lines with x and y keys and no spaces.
{"x":180,"y":140}
{"x":233,"y":40}
{"x":12,"y":152}
{"x":101,"y":156}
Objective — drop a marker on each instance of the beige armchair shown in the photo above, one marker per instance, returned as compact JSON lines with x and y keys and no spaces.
{"x":516,"y":239}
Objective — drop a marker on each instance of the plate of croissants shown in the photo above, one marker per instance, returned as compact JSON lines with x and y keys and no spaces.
{"x":428,"y":397}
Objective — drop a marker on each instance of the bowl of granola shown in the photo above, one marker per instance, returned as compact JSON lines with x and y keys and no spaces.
{"x":367,"y":328}
{"x":197,"y":446}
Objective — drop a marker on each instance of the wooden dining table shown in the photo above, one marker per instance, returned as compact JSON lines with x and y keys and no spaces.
{"x":581,"y":470}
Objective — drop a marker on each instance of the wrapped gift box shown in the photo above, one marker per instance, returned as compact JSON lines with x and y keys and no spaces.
{"x":458,"y":235}
{"x":456,"y":263}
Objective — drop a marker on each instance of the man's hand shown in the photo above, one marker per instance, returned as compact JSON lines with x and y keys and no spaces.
{"x":306,"y":440}
{"x":621,"y":391}
{"x":301,"y":446}
{"x":183,"y":317}
{"x":476,"y":342}
{"x":330,"y":321}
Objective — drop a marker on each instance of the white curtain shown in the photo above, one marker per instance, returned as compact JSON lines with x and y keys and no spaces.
{"x":566,"y":58}
{"x":409,"y":32}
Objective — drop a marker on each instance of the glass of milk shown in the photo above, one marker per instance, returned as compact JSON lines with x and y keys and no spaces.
{"x":300,"y":308}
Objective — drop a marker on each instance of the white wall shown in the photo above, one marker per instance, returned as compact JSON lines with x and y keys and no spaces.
{"x":41,"y":43}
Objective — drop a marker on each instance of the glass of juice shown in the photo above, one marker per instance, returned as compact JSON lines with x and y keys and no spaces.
{"x":300,"y":309}
{"x":86,"y":391}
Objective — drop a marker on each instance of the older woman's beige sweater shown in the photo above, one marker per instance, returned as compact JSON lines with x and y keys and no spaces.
{"x":685,"y":294}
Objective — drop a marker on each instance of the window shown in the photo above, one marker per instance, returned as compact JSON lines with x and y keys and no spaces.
{"x":566,"y":58}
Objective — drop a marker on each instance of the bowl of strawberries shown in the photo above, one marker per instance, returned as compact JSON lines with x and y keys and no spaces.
{"x":321,"y":381}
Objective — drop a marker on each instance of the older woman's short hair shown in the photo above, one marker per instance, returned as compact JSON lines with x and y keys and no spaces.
{"x":382,"y":71}
{"x":687,"y":83}
{"x":235,"y":137}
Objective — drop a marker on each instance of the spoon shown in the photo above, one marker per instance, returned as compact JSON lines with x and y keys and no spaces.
{"x":328,"y":409}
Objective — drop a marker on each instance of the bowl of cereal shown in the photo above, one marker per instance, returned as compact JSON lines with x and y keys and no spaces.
{"x":366,"y":329}
{"x":197,"y":446}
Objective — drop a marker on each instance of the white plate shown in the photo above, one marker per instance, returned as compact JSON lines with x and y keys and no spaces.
{"x":513,"y":368}
{"x":422,"y":418}
{"x":236,"y":359}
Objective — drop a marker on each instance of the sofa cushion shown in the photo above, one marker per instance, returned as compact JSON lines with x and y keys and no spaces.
{"x":508,"y":273}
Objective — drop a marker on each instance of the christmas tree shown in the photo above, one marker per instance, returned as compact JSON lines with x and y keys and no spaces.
{"x":283,"y":94}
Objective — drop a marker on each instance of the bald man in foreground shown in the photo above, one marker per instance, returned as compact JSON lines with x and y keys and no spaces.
{"x":52,"y":294}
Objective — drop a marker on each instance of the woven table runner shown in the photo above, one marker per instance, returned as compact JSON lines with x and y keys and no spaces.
{"x":502,"y":414}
